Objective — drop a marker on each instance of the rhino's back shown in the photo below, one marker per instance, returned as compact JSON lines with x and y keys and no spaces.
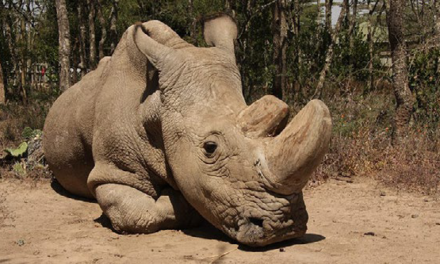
{"x":68,"y":132}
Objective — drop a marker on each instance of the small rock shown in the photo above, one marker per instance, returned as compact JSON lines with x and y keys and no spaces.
{"x":414,"y":216}
{"x":426,"y":200}
{"x":369,"y":234}
{"x":282,"y":250}
{"x":20,"y":242}
{"x":382,"y":193}
{"x":438,"y":223}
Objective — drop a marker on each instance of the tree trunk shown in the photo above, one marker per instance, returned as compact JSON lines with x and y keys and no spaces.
{"x":279,"y":29}
{"x":103,"y":30}
{"x":351,"y":35}
{"x":75,"y":54}
{"x":296,"y":22}
{"x":437,"y":19}
{"x":297,"y":17}
{"x":64,"y":43}
{"x":3,"y":81}
{"x":193,"y":25}
{"x":10,"y":36}
{"x":370,"y":47}
{"x":29,"y":41}
{"x":404,"y":97}
{"x":92,"y":35}
{"x":329,"y":56}
{"x":23,"y":70}
{"x":20,"y":37}
{"x":318,"y":10}
{"x":2,"y":87}
{"x":82,"y":38}
{"x":437,"y":30}
{"x":113,"y":28}
{"x":328,"y":14}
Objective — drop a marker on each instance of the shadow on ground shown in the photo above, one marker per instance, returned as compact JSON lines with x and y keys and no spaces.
{"x":207,"y":231}
{"x":56,"y":186}
{"x":105,"y":222}
{"x":306,"y":239}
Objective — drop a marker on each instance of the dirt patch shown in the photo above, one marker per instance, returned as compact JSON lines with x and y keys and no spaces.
{"x":355,"y":222}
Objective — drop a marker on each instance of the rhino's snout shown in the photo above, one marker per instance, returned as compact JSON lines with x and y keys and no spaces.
{"x":260,"y":232}
{"x":264,"y":223}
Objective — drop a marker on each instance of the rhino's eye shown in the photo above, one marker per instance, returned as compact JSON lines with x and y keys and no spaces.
{"x":209,"y":147}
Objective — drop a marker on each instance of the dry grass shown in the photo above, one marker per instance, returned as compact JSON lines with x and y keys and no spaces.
{"x":361,"y":146}
{"x":14,"y":117}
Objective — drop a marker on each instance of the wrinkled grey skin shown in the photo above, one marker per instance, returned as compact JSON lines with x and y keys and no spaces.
{"x":160,"y":134}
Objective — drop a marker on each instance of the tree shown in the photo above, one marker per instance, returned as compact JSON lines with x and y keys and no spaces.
{"x":2,"y":86}
{"x":64,"y":43}
{"x":103,"y":23}
{"x":437,"y":19}
{"x":113,"y":20}
{"x":437,"y":28}
{"x":329,"y":55}
{"x":351,"y":36}
{"x":82,"y":37}
{"x":370,"y":45}
{"x":404,"y":97}
{"x":328,"y":14}
{"x":279,"y":28}
{"x":92,"y":33}
{"x":193,"y":28}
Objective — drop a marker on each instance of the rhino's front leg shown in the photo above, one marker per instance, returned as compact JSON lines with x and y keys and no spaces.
{"x":133,"y":211}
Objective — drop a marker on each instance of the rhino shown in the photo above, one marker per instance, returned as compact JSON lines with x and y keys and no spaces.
{"x":161,"y":136}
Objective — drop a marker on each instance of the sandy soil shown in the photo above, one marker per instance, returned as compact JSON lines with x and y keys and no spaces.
{"x":350,"y":222}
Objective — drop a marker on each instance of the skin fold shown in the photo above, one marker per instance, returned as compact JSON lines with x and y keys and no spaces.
{"x":161,"y":136}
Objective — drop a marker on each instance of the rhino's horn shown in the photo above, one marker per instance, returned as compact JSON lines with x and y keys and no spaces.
{"x":220,"y":31}
{"x":292,"y":156}
{"x":265,"y":117}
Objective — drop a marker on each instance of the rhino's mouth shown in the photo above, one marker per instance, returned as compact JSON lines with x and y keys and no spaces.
{"x":262,"y":227}
{"x":260,"y":232}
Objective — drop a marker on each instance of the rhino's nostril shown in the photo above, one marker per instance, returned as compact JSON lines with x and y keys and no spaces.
{"x":256,"y":221}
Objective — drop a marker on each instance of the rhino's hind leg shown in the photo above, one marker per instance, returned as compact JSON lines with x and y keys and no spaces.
{"x":133,"y":211}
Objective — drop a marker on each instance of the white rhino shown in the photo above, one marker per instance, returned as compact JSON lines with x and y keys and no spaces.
{"x":160,"y":134}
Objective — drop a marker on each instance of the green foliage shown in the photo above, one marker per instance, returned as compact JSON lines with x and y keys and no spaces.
{"x":425,"y":84}
{"x":18,"y":152}
{"x":19,"y":169}
{"x":29,"y":133}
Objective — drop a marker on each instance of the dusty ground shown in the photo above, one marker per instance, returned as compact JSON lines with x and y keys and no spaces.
{"x":360,"y":222}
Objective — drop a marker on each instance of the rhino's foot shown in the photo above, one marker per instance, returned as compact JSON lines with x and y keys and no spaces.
{"x":132,"y":211}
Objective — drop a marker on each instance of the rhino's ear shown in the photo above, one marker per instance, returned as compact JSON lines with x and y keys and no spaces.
{"x":220,"y":31}
{"x":153,"y":50}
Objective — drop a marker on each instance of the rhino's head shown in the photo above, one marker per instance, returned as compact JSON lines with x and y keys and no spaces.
{"x":240,"y":166}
